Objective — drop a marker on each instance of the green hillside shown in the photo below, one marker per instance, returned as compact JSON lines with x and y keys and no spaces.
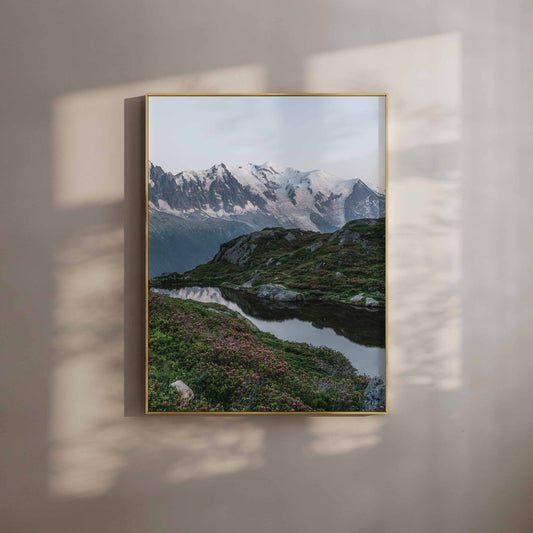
{"x":232,"y":366}
{"x":326,"y":266}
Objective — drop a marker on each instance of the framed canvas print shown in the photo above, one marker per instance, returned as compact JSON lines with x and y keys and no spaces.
{"x":266,"y":253}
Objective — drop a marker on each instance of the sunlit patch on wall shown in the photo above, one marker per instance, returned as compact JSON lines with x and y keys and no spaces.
{"x":334,"y":436}
{"x":422,"y":77}
{"x":88,"y":130}
{"x":92,"y":446}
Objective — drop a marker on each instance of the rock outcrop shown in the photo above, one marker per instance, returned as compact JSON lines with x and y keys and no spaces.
{"x":314,"y":247}
{"x":248,"y":284}
{"x":345,"y":236}
{"x":186,"y":392}
{"x":241,"y":252}
{"x":374,"y":394}
{"x":370,"y":302}
{"x":360,"y":299}
{"x":279,"y":293}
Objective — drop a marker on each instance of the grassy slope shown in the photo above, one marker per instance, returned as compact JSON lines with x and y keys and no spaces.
{"x":232,"y":366}
{"x":333,"y":271}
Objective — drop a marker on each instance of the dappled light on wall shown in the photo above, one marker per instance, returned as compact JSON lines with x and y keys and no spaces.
{"x":86,"y":381}
{"x":423,"y":79}
{"x":333,"y":436}
{"x":94,"y":449}
{"x":92,"y":446}
{"x":88,"y":130}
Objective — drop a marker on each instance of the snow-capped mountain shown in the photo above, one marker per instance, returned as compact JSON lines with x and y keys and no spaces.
{"x":193,"y":212}
{"x":264,"y":195}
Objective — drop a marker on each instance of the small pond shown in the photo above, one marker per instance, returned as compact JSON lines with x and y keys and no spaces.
{"x":357,"y":333}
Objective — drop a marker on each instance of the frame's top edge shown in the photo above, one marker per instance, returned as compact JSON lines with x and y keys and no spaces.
{"x":266,"y":94}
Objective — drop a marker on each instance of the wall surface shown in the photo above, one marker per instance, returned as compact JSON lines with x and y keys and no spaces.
{"x":454,"y":454}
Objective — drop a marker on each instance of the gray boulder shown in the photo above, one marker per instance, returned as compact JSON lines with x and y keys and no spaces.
{"x":346,"y":236}
{"x":358,"y":298}
{"x":278,"y":293}
{"x":374,"y":394}
{"x":290,"y":237}
{"x":248,"y":284}
{"x":186,"y":392}
{"x":314,"y":247}
{"x":370,"y":302}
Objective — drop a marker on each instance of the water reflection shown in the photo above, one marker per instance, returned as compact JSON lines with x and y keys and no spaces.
{"x":362,"y":326}
{"x":357,"y":333}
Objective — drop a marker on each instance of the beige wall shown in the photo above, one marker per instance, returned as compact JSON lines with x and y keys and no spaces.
{"x":455,"y":453}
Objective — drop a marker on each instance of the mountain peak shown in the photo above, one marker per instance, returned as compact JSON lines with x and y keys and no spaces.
{"x":264,"y":195}
{"x":273,"y":167}
{"x":220,"y":165}
{"x":269,"y":164}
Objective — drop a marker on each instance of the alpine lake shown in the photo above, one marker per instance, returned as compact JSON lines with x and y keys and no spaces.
{"x":358,"y":333}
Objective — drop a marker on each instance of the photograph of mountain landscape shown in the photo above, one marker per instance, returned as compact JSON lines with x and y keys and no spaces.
{"x":266,"y":254}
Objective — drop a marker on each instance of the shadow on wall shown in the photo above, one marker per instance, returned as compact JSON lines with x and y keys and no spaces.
{"x":94,"y":451}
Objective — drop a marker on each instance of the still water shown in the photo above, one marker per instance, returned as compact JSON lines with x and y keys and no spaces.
{"x":357,"y":333}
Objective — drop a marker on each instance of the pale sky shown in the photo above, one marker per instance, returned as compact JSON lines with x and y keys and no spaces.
{"x":343,"y":135}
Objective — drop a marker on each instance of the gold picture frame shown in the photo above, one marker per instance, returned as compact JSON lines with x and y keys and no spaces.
{"x":146,"y":275}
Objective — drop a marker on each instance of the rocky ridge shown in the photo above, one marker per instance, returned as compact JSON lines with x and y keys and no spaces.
{"x":347,"y":265}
